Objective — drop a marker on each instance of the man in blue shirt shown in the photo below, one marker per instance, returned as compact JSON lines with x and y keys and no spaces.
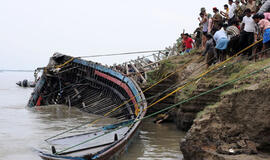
{"x":221,"y":40}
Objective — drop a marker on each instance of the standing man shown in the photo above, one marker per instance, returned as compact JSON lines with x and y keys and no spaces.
{"x":232,"y":7}
{"x":217,"y":18}
{"x":248,"y":29}
{"x":204,"y":23}
{"x":233,"y":35}
{"x":209,"y":51}
{"x":221,"y":40}
{"x":251,"y":5}
{"x":265,"y":7}
{"x":238,"y":12}
{"x":225,"y":14}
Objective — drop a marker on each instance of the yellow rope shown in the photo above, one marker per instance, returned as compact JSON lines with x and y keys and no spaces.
{"x":201,"y":75}
{"x":62,"y":65}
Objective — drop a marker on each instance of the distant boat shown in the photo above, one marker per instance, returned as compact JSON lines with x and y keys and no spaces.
{"x":96,"y":89}
{"x":26,"y":83}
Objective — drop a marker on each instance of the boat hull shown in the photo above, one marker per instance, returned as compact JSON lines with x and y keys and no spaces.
{"x":102,"y":82}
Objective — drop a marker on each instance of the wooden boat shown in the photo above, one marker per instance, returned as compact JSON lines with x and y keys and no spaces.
{"x":95,"y":89}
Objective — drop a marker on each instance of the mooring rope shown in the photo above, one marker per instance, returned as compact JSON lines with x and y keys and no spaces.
{"x":172,"y":106}
{"x":123,"y":53}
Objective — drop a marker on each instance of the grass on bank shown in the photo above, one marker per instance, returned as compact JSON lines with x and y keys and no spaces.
{"x":236,"y":70}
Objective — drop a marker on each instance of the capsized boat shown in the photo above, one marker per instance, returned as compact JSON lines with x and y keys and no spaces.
{"x":95,"y":89}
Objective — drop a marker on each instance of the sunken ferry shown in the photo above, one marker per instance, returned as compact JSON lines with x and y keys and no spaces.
{"x":95,"y":89}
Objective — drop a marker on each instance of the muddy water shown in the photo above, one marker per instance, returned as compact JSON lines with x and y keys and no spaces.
{"x":22,"y":129}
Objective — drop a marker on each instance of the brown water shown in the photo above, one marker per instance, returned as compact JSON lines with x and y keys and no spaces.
{"x":23,"y":129}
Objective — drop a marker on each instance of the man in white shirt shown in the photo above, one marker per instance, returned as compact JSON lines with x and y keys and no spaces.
{"x":232,"y":7}
{"x":248,"y":29}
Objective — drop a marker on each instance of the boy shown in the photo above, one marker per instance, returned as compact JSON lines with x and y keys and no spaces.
{"x":188,"y":42}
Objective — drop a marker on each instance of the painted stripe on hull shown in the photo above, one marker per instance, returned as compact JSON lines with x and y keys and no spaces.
{"x":121,"y":84}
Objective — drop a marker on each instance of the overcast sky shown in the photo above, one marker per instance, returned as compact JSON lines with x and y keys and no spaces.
{"x":32,"y":30}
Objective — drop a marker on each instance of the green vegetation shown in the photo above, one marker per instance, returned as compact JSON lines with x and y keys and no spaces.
{"x":234,"y":90}
{"x":187,"y":92}
{"x":194,"y":51}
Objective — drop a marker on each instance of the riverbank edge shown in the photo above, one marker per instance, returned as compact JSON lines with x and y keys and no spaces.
{"x":191,"y":115}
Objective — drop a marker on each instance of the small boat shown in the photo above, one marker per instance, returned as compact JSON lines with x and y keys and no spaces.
{"x":95,"y":89}
{"x":26,"y":83}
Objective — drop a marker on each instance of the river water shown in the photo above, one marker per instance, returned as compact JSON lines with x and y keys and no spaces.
{"x":23,"y":129}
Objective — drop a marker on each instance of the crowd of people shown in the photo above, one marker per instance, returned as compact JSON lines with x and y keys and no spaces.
{"x":230,"y":31}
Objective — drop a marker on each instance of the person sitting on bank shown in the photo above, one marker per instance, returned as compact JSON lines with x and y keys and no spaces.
{"x":188,"y":42}
{"x":264,"y":25}
{"x":221,"y":40}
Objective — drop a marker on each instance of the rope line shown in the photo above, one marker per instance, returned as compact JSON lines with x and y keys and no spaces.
{"x":61,"y":65}
{"x":172,"y":106}
{"x":118,"y":54}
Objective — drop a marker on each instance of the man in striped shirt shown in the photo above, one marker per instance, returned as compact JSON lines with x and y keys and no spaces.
{"x":233,"y":33}
{"x":233,"y":30}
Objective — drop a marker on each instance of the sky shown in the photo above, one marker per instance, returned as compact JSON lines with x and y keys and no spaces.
{"x":32,"y":30}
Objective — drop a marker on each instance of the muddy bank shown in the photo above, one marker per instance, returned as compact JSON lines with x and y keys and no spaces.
{"x":231,"y":123}
{"x":237,"y":128}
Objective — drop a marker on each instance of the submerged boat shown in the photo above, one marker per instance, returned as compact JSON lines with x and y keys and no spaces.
{"x":95,"y":89}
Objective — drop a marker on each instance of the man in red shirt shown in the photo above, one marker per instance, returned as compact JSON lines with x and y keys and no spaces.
{"x":188,"y":42}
